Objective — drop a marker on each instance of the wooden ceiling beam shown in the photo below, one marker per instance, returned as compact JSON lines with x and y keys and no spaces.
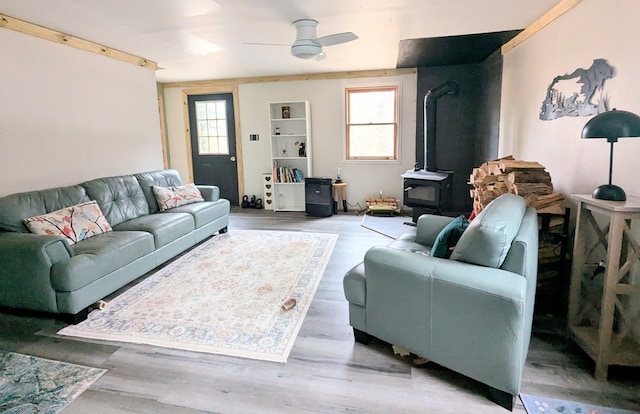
{"x":31,"y":29}
{"x":555,"y":12}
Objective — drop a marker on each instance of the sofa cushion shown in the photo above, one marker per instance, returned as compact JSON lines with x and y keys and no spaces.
{"x":15,"y":208}
{"x":98,"y":256}
{"x":165,"y":228}
{"x":74,"y":223}
{"x":488,"y":238}
{"x":120,"y":198}
{"x":205,"y":212}
{"x":170,"y":197}
{"x":448,"y":237}
{"x":162,"y":178}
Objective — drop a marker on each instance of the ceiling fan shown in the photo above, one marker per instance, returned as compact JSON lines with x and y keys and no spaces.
{"x":307,"y":44}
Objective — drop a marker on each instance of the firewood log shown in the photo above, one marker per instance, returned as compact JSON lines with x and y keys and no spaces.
{"x":542,"y":201}
{"x":555,"y":208}
{"x":529,"y":176}
{"x":535,"y":188}
{"x":510,"y":165}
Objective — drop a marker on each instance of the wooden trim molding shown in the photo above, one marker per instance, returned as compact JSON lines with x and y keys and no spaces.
{"x":187,"y":133}
{"x":555,"y":12}
{"x":163,"y":132}
{"x":31,"y":29}
{"x":287,"y":78}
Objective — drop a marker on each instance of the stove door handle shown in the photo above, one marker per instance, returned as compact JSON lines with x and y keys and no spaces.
{"x":408,"y":188}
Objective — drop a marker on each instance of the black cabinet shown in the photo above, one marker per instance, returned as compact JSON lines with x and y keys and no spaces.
{"x":318,"y":197}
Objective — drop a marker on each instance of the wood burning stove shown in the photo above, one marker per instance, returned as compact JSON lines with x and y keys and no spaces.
{"x":428,"y":190}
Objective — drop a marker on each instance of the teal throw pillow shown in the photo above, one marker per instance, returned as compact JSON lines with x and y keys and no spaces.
{"x":448,"y":237}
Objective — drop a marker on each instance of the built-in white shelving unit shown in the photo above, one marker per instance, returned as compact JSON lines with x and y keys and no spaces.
{"x":290,"y":129}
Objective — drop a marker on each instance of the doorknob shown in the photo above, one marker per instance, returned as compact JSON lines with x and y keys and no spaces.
{"x":233,"y":158}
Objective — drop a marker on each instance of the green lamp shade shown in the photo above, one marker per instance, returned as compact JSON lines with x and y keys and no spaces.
{"x":611,"y":126}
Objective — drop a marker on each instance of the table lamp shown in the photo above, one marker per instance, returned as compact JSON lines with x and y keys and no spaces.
{"x":612,"y":125}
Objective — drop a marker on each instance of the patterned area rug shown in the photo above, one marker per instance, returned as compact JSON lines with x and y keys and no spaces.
{"x":35,"y":385}
{"x":224,"y":297}
{"x":535,"y":405}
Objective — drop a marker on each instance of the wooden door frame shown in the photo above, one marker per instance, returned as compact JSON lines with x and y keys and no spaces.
{"x":163,"y":132}
{"x":210,"y":90}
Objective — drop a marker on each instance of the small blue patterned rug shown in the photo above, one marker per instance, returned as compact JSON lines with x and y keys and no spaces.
{"x":35,"y":385}
{"x":534,"y":404}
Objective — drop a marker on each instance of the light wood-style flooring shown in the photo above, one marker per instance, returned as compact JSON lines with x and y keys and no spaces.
{"x":326,"y":372}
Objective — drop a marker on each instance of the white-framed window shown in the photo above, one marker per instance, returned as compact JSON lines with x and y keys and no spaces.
{"x":371,"y":115}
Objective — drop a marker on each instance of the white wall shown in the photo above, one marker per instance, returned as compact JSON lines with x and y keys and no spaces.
{"x":68,"y":115}
{"x":326,"y":100}
{"x":593,"y":29}
{"x":176,"y":130}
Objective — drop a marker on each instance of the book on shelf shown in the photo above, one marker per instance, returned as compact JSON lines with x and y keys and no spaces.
{"x":299,"y":175}
{"x":287,"y":175}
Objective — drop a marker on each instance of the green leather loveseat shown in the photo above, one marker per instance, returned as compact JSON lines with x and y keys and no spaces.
{"x":472,"y":312}
{"x":48,"y":273}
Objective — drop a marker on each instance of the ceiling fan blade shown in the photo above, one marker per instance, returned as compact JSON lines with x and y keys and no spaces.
{"x":265,"y":44}
{"x":336,"y":39}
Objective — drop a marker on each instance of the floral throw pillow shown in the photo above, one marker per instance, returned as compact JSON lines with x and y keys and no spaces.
{"x":170,"y":197}
{"x":75,"y":223}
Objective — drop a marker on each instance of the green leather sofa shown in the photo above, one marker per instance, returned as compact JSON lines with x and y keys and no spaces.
{"x":45,"y":273}
{"x":471,"y":313}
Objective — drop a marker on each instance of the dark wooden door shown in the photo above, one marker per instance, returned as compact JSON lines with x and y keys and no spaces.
{"x":213,"y":143}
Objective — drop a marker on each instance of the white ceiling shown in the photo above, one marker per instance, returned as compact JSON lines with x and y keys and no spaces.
{"x":205,"y":39}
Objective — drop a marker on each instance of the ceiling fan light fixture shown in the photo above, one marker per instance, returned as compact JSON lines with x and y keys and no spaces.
{"x":305,"y":46}
{"x":308,"y":45}
{"x":306,"y":51}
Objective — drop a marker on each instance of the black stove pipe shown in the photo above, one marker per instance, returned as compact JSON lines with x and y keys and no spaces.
{"x":430,"y":107}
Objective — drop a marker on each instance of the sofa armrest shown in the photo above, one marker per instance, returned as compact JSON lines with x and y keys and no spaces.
{"x":209,"y":192}
{"x":25,"y":266}
{"x":481,"y":323}
{"x":429,"y":226}
{"x":397,"y":291}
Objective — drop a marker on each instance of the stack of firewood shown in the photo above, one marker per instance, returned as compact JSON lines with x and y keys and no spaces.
{"x":508,"y":175}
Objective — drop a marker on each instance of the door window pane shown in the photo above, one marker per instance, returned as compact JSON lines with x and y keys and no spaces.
{"x":211,"y":118}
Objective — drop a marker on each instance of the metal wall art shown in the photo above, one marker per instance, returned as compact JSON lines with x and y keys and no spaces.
{"x":579,"y":93}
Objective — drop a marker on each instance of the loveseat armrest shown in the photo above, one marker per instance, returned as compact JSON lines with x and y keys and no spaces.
{"x":429,"y":226}
{"x":209,"y":192}
{"x":397,"y":291}
{"x":480,"y":323}
{"x":25,"y":269}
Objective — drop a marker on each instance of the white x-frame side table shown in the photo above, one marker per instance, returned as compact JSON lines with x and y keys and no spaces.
{"x":606,"y":224}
